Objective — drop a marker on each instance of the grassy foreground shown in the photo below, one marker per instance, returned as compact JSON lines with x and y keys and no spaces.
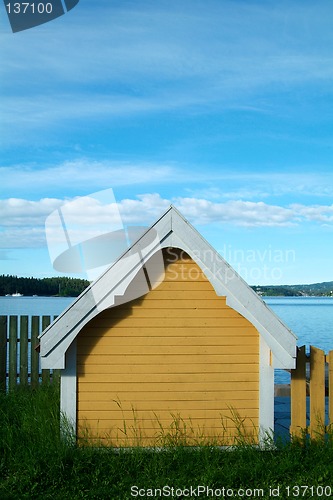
{"x":36,"y":463}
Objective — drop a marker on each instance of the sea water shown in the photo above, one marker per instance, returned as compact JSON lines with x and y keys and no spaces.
{"x":310,"y":318}
{"x":33,"y":306}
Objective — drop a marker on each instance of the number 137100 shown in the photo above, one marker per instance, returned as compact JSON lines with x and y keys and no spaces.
{"x":29,"y":8}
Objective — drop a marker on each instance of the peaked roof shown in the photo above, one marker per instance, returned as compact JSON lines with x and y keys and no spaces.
{"x":170,"y":230}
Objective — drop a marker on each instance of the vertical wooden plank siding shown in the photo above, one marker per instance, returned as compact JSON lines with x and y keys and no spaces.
{"x":46,"y":320}
{"x":3,"y":352}
{"x":13,"y":323}
{"x":298,"y":395}
{"x":330,"y":387}
{"x":24,"y":350}
{"x":34,"y":354}
{"x":177,"y":363}
{"x":317,"y":392}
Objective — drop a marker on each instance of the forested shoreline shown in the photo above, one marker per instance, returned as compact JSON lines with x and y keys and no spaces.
{"x":46,"y":287}
{"x":323,"y":289}
{"x":72,"y":287}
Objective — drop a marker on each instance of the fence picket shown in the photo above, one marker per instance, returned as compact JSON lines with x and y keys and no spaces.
{"x":317,"y":392}
{"x":19,"y":353}
{"x":24,"y":350}
{"x":34,"y":353}
{"x":3,"y":352}
{"x":12,"y":352}
{"x":56,"y":376}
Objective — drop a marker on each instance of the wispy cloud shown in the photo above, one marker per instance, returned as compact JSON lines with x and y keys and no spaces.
{"x":4,"y":255}
{"x":206,"y":181}
{"x":88,"y":174}
{"x":142,"y":59}
{"x":173,"y":40}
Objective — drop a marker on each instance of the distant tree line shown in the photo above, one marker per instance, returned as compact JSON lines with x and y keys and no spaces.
{"x":72,"y":287}
{"x":314,"y":289}
{"x":58,"y":286}
{"x":277,"y":291}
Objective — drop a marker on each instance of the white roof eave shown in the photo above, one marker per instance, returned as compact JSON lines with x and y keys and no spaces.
{"x":170,"y":230}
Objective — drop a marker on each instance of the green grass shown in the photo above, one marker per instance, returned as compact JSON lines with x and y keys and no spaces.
{"x":36,"y":463}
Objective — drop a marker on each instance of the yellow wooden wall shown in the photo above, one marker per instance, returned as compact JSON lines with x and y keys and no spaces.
{"x":175,"y":362}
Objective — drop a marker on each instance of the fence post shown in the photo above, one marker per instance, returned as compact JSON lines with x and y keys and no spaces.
{"x":12,"y":352}
{"x":34,"y":353}
{"x":24,"y":350}
{"x":3,"y":352}
{"x":317,"y":392}
{"x":298,"y":395}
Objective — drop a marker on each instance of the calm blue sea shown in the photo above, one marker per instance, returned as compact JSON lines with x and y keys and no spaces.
{"x":33,"y":306}
{"x":310,"y":318}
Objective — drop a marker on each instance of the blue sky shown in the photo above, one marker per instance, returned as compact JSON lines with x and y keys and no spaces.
{"x":223,"y":108}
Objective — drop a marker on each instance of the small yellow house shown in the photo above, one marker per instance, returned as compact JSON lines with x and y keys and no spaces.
{"x":169,"y":344}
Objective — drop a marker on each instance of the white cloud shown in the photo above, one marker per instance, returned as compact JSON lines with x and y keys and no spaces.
{"x":315,"y":213}
{"x":19,"y":212}
{"x":235,"y":212}
{"x":22,"y":221}
{"x":240,"y":213}
{"x":22,"y":237}
{"x":144,"y":209}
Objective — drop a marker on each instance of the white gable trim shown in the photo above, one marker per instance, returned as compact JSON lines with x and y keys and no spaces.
{"x":171,"y":230}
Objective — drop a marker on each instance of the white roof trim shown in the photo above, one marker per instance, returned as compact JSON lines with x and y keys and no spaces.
{"x":171,"y":230}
